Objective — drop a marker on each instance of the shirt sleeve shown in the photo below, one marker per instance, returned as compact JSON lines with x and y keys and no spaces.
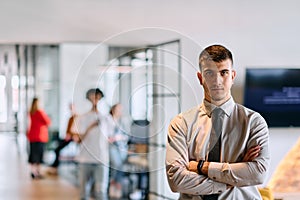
{"x":45,"y":118}
{"x":246,"y":173}
{"x":177,"y":160}
{"x":81,"y":124}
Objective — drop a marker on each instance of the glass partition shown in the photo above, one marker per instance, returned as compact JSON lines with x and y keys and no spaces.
{"x":27,"y":71}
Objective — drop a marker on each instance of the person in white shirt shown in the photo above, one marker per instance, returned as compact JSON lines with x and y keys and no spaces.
{"x":242,"y":158}
{"x":118,"y":149}
{"x":93,"y":156}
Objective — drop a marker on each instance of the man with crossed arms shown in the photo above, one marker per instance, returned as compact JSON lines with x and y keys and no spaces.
{"x":243,"y":152}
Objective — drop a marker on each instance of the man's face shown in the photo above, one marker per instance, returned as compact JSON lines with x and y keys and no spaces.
{"x":217,"y":79}
{"x":94,"y":98}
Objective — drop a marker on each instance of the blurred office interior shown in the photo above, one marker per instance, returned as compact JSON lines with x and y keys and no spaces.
{"x":141,"y":54}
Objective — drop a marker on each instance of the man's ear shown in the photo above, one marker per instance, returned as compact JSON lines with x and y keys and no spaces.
{"x":199,"y":75}
{"x":233,"y":74}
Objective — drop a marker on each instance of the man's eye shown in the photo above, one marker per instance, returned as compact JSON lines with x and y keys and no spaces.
{"x":208,"y":73}
{"x":225,"y":72}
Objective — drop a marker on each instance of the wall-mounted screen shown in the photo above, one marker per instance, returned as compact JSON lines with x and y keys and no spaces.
{"x":275,"y":94}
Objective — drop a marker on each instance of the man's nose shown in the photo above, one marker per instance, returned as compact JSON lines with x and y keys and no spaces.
{"x":217,"y":77}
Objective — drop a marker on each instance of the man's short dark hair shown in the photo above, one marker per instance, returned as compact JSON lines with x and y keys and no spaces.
{"x":216,"y":53}
{"x":95,"y":91}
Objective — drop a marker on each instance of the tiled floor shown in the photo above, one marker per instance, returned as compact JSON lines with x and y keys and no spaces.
{"x":15,"y":182}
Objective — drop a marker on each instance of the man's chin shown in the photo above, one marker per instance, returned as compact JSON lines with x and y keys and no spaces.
{"x":217,"y":98}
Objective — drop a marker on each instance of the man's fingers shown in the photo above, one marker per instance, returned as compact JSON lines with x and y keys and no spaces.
{"x":254,"y":149}
{"x":252,"y":153}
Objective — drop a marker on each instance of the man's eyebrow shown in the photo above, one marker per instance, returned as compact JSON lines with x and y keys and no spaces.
{"x":207,"y":70}
{"x":224,"y":70}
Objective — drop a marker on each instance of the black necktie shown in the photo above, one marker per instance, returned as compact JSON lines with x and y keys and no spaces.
{"x":215,"y":142}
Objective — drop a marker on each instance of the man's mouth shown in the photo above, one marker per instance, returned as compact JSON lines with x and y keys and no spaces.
{"x":216,"y":89}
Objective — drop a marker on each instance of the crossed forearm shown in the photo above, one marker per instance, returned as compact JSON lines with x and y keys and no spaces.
{"x":251,"y":154}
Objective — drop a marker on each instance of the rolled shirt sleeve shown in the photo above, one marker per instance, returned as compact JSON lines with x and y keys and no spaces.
{"x":246,"y":173}
{"x":177,"y":160}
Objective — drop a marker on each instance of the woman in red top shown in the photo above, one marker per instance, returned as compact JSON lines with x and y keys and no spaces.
{"x":37,"y":136}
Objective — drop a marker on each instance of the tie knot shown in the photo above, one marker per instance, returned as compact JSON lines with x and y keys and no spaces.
{"x":217,"y":112}
{"x":217,"y":117}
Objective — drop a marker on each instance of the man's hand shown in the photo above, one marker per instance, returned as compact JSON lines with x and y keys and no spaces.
{"x":251,"y":154}
{"x":79,"y":137}
{"x":193,"y":166}
{"x":76,"y":138}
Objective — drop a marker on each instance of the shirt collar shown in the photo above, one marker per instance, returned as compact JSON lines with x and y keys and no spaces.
{"x":227,"y":107}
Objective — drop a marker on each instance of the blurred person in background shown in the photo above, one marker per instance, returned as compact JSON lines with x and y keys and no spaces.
{"x":118,"y":149}
{"x":93,"y":157}
{"x":67,"y":140}
{"x":37,"y":135}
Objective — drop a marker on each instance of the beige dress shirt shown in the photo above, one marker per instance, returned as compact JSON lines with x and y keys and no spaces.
{"x":188,"y":139}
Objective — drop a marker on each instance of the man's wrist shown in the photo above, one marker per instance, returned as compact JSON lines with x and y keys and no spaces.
{"x":205,"y":167}
{"x":199,"y":166}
